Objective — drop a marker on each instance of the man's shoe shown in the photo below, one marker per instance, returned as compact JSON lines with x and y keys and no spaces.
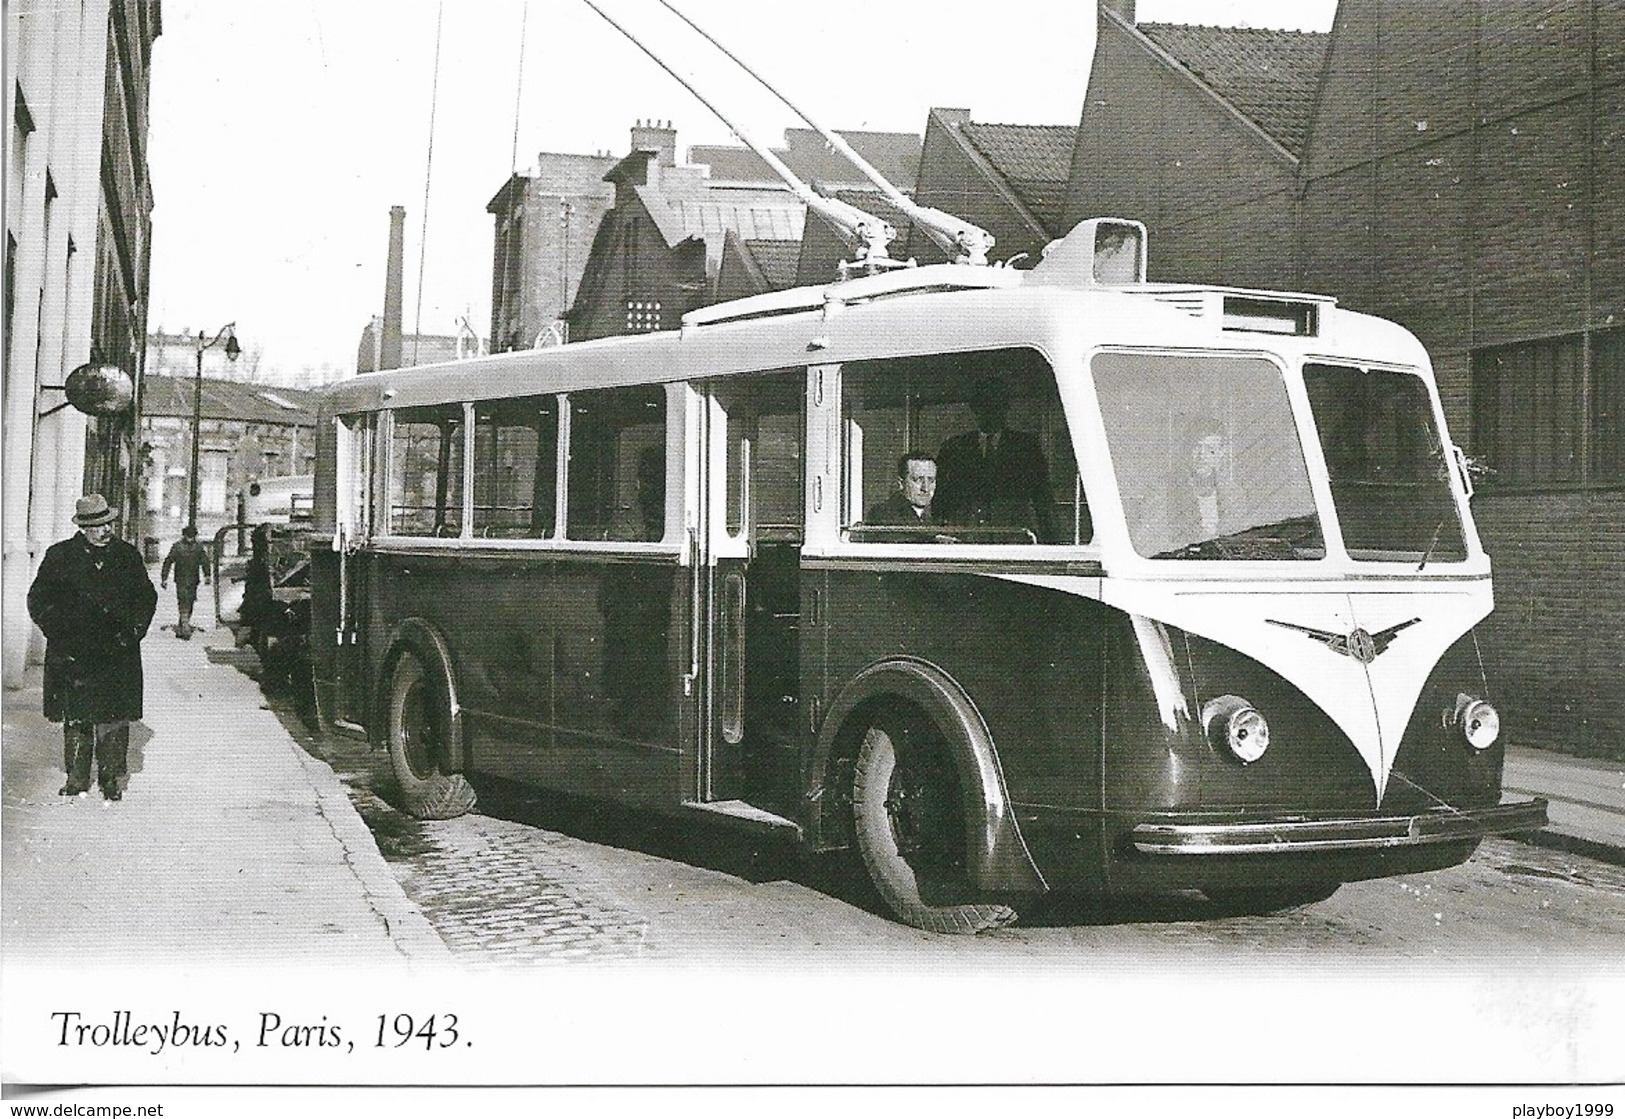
{"x":113,"y":794}
{"x":72,"y":790}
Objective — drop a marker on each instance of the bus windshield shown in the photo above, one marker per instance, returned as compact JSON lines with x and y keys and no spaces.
{"x":1388,"y":465}
{"x":1207,"y":457}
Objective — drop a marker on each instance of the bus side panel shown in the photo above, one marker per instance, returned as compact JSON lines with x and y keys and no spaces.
{"x":1028,"y":658}
{"x":1434,"y":760}
{"x":615,"y":627}
{"x":1311,"y":765}
{"x":567,"y":667}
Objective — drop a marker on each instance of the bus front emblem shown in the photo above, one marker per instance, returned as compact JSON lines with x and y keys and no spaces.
{"x":1362,"y":646}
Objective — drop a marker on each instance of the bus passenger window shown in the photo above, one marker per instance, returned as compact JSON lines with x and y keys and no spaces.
{"x":515,"y":467}
{"x":988,"y":426}
{"x":765,"y":441}
{"x":426,"y":471}
{"x":617,"y":464}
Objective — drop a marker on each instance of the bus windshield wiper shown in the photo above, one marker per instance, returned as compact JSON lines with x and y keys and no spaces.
{"x":1432,"y":544}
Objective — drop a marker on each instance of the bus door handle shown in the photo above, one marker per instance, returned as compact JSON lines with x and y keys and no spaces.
{"x":696,"y":611}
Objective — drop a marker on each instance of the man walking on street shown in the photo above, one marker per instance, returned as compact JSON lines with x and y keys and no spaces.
{"x":189,"y":560}
{"x":93,"y":600}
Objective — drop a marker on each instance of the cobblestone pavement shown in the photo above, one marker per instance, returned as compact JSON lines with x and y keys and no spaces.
{"x":500,"y":894}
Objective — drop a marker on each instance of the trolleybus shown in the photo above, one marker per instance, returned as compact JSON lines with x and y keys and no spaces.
{"x":1207,"y":624}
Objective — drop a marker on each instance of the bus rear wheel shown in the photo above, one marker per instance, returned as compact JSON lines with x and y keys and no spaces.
{"x":417,"y":745}
{"x":909,"y":822}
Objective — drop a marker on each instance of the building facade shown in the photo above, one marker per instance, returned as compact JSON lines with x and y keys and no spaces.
{"x":78,"y":219}
{"x":1457,"y":168}
{"x":246,"y":432}
{"x":658,"y":251}
{"x":544,"y":224}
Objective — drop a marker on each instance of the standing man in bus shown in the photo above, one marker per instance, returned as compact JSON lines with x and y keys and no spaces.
{"x":190,"y":561}
{"x":994,"y":475}
{"x":93,"y":600}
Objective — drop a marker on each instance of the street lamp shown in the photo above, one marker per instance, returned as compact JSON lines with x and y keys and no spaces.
{"x":229,"y":333}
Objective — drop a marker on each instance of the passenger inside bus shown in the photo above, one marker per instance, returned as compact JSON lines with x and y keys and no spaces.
{"x":993,"y":475}
{"x":894,"y":407}
{"x":910,"y":504}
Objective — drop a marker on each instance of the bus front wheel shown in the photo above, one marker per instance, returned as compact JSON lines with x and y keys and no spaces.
{"x":417,"y":740}
{"x":909,"y":821}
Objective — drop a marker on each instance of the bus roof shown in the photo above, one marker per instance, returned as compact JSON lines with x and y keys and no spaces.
{"x":903,"y":312}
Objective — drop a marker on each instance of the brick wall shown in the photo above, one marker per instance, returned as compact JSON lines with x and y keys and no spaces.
{"x":1217,"y":199}
{"x":1555,"y":646}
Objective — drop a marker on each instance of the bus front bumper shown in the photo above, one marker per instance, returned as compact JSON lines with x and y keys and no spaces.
{"x":1442,"y":825}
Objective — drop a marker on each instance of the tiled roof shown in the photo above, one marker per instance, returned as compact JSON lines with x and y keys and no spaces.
{"x":1036,"y":160}
{"x":777,"y":260}
{"x":1270,"y":76}
{"x":229,"y":400}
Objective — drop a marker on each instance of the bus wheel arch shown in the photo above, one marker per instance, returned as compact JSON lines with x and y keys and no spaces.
{"x":422,"y":724}
{"x":911,"y":710}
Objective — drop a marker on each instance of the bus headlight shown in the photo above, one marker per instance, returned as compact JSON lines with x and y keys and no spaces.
{"x":1236,"y":725}
{"x":1480,"y":723}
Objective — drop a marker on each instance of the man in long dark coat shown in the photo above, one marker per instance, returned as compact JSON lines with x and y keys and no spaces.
{"x":93,"y":600}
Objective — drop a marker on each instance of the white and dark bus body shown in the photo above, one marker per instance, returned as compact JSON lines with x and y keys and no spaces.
{"x":1224,"y":643}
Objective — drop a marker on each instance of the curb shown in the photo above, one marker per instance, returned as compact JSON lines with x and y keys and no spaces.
{"x":408,"y":929}
{"x":1573,"y":844}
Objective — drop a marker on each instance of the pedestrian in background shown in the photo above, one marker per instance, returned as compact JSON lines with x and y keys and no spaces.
{"x":190,"y":561}
{"x":93,"y":600}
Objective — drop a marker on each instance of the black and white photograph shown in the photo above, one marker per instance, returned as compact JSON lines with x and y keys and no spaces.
{"x":643,"y":554}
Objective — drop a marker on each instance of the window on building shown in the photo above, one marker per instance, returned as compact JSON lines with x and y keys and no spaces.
{"x":516,"y":467}
{"x":642,"y":316}
{"x":1549,"y":412}
{"x":426,"y":471}
{"x":1608,"y":406}
{"x":617,"y":466}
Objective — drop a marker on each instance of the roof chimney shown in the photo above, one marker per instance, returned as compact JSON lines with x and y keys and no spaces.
{"x":389,"y":356}
{"x":1124,"y":8}
{"x":658,"y":137}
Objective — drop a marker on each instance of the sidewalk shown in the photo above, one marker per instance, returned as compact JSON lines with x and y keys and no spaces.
{"x":232,"y":845}
{"x":1586,"y":809}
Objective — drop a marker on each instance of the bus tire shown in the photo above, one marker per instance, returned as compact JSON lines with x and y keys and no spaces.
{"x":416,"y":730}
{"x":908,"y":821}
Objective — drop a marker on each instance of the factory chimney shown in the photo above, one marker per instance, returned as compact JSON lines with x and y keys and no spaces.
{"x":389,"y":355}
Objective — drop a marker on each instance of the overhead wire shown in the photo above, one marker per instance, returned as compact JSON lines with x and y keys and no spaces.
{"x":428,"y":173}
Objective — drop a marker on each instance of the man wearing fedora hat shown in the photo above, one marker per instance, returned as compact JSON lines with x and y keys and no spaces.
{"x":93,"y":600}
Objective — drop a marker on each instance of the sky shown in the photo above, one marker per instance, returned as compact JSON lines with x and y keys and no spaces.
{"x":281,"y":134}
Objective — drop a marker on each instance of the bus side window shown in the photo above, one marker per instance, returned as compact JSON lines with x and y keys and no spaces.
{"x":515,"y":467}
{"x":426,"y":471}
{"x":987,"y":439}
{"x":765,"y":442}
{"x":616,"y":488}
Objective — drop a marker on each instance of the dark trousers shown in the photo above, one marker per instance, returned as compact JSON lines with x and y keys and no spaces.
{"x":108,"y":743}
{"x":185,"y":599}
